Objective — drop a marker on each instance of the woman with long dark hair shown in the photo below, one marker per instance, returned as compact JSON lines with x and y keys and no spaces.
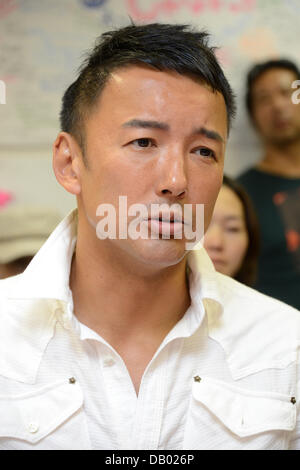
{"x":232,"y":238}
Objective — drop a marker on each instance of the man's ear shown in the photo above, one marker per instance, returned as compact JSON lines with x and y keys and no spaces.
{"x":67,"y":161}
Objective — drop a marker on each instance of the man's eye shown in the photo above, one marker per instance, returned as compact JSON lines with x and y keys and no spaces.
{"x":205,"y":152}
{"x":144,"y":143}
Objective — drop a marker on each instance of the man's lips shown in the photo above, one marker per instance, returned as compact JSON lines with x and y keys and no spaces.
{"x":167,"y":220}
{"x":167,"y":217}
{"x":165,"y":226}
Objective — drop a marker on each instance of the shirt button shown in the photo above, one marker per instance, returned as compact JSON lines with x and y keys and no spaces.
{"x":33,"y":427}
{"x":109,"y":361}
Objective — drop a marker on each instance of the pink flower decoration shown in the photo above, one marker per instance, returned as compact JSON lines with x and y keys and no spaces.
{"x":5,"y":198}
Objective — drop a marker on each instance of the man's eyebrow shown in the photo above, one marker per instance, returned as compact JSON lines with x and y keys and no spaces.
{"x":209,"y":134}
{"x":145,"y":124}
{"x":148,"y":124}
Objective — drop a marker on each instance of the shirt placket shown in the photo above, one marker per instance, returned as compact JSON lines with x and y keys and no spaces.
{"x":150,"y":405}
{"x":136,"y":419}
{"x":120,"y":393}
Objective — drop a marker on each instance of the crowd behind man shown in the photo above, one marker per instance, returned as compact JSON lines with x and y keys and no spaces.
{"x":274,"y":183}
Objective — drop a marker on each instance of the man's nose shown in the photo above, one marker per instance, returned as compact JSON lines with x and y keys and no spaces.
{"x":172,"y":179}
{"x":279,"y":103}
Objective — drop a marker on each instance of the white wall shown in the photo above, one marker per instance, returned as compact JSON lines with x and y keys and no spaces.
{"x":41,"y":46}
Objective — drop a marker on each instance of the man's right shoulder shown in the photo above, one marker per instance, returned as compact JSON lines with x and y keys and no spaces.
{"x":255,"y":330}
{"x":250,"y":299}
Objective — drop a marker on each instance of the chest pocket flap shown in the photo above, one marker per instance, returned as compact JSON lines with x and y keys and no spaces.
{"x":32,"y":416}
{"x":245,"y":412}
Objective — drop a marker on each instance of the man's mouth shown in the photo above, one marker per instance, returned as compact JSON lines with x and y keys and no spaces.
{"x":163,"y":225}
{"x":167,"y":217}
{"x":168,"y":220}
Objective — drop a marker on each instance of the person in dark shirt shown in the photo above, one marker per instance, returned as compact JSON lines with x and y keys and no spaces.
{"x":274,"y":183}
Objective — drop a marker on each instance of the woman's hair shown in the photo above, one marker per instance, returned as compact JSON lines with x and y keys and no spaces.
{"x":248,"y":270}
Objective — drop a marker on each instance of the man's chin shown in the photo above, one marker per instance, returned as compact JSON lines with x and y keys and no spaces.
{"x":161,"y":253}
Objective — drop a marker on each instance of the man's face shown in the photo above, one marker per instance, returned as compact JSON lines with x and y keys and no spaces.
{"x":154,"y":137}
{"x":276,"y":117}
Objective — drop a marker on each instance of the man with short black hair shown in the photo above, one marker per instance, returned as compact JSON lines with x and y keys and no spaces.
{"x":127,"y":338}
{"x":274,"y":183}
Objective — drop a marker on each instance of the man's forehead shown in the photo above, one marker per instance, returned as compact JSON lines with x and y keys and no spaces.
{"x":274,"y":77}
{"x":141,"y":92}
{"x":145,"y":73}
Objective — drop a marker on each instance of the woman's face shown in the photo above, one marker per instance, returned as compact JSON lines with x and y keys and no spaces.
{"x":226,"y":239}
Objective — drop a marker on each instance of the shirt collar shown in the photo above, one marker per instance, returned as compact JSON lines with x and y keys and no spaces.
{"x":47,"y":276}
{"x":41,"y":296}
{"x":204,"y":295}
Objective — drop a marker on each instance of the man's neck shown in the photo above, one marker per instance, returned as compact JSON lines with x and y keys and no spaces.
{"x":282,"y":160}
{"x":133,"y":313}
{"x":120,"y":305}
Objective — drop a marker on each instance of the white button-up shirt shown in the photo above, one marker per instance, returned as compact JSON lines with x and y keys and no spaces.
{"x":225,"y":377}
